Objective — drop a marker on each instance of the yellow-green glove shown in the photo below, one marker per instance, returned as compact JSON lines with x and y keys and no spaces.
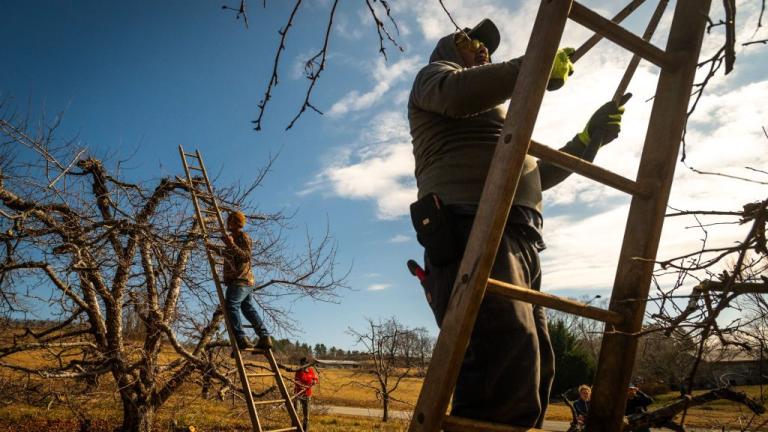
{"x":562,"y":68}
{"x":605,"y":123}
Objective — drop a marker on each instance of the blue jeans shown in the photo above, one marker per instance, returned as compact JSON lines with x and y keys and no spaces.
{"x":239,"y":297}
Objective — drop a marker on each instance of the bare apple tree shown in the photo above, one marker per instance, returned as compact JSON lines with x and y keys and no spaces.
{"x":392,"y":351}
{"x":108,"y":258}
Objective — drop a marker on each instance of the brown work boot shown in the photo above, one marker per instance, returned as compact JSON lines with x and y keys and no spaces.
{"x":265,"y":342}
{"x":244,"y":343}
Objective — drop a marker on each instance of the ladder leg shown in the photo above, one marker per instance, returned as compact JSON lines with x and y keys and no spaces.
{"x":646,"y":217}
{"x":284,"y":392}
{"x":487,"y":229}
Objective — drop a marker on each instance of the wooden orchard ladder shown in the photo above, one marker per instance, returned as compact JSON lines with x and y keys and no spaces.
{"x":212,"y":224}
{"x":650,"y":192}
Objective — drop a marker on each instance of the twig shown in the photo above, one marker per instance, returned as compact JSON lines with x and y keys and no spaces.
{"x":450,"y":17}
{"x":240,"y":12}
{"x":380,"y":28}
{"x":71,"y":164}
{"x":312,"y":73}
{"x":273,"y":80}
{"x":762,"y":41}
{"x":746,"y":179}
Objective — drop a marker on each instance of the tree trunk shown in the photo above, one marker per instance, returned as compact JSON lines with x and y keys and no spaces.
{"x":385,"y":400}
{"x":137,"y":418}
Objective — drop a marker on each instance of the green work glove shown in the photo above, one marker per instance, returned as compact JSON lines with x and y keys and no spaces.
{"x":605,"y":123}
{"x":562,"y":68}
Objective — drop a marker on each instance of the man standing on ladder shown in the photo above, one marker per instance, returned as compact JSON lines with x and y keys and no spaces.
{"x":456,"y":112}
{"x":238,"y":277}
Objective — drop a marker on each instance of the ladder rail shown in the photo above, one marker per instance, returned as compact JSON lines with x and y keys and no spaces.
{"x":485,"y":236}
{"x":208,"y":185}
{"x":254,"y":416}
{"x":646,"y":216}
{"x":283,"y":390}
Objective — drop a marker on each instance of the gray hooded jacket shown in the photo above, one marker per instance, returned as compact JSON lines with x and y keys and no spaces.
{"x":456,"y":115}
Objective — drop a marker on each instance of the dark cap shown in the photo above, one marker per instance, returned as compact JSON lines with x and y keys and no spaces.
{"x":486,"y":32}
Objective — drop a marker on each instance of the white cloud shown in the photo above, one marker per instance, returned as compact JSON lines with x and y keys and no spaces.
{"x":400,"y":238}
{"x":384,"y":76}
{"x":724,"y":136}
{"x":348,"y":29}
{"x":381,"y":169}
{"x":378,"y":287}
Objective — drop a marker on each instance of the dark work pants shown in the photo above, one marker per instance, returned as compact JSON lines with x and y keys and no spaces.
{"x":507,"y":372}
{"x":304,"y":402}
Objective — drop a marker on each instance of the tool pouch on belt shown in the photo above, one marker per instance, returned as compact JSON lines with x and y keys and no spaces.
{"x":434,"y":230}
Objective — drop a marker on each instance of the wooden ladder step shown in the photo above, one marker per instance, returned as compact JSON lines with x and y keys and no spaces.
{"x":588,"y":170}
{"x":211,"y":220}
{"x":622,"y":37}
{"x":270,"y":402}
{"x":261,"y":374}
{"x":192,"y":155}
{"x":204,"y":197}
{"x":461,"y":424}
{"x":292,"y":428}
{"x":194,"y":168}
{"x":619,"y":17}
{"x":553,"y":302}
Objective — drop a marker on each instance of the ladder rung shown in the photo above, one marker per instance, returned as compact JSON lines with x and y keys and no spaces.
{"x":461,"y":424}
{"x":194,"y":155}
{"x":592,"y":41}
{"x":554,"y":302}
{"x":619,"y":35}
{"x":261,"y":375}
{"x":209,"y":211}
{"x":270,"y":402}
{"x":194,"y":168}
{"x":292,"y":428}
{"x":589,"y":170}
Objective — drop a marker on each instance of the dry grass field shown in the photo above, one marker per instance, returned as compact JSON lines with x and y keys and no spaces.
{"x":59,"y":406}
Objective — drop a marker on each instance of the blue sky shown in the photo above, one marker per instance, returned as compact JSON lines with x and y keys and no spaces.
{"x":143,"y":77}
